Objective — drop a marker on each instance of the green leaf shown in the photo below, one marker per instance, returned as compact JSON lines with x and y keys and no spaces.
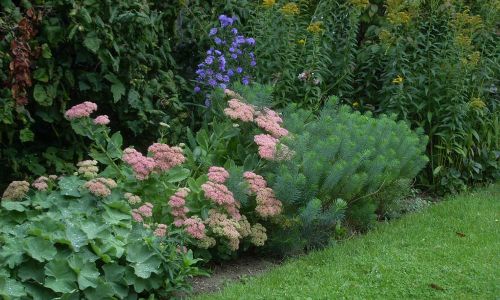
{"x":11,"y":288}
{"x":76,"y":237}
{"x":41,"y":75}
{"x":134,"y":99}
{"x":88,"y":276}
{"x":46,"y":51}
{"x":92,"y":42}
{"x":41,"y":96}
{"x":26,"y":135}
{"x":144,"y":269}
{"x":39,"y":248}
{"x":15,"y":205}
{"x":61,"y":277}
{"x":70,"y":186}
{"x":118,"y":90}
{"x":31,"y":270}
{"x":92,"y":229}
{"x":177,"y":175}
{"x":12,"y":252}
{"x":114,"y":145}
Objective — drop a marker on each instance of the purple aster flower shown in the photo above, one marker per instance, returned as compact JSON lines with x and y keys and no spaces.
{"x":251,"y":41}
{"x":234,"y":31}
{"x":209,"y":60}
{"x":208,"y":102}
{"x":218,"y":52}
{"x":212,"y":82}
{"x":239,"y":52}
{"x":230,"y":72}
{"x":225,"y":21}
{"x":218,"y":41}
{"x":219,"y":76}
{"x":245,"y":80}
{"x":240,"y":39}
{"x":239,"y":70}
{"x":197,"y":89}
{"x":252,"y":55}
{"x":222,"y":86}
{"x":201,"y":73}
{"x":225,"y":78}
{"x":253,"y":63}
{"x":234,"y":56}
{"x":232,"y":49}
{"x":213,"y":31}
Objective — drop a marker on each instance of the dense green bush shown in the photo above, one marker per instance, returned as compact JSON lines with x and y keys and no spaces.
{"x":342,"y":155}
{"x":65,"y":241}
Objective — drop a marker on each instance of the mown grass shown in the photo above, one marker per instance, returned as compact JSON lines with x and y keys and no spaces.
{"x":449,"y":251}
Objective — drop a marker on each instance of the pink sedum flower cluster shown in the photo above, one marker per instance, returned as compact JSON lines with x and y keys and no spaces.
{"x":100,"y":187}
{"x":255,"y":182}
{"x":81,"y":110}
{"x":195,"y":228}
{"x":271,"y":122}
{"x":222,"y":196}
{"x":238,"y":110}
{"x":41,"y":183}
{"x":225,"y":227}
{"x":267,"y":204}
{"x":132,"y":199}
{"x":166,"y":157}
{"x":16,"y":190}
{"x":178,"y":204}
{"x":217,"y":174}
{"x":161,"y":230}
{"x":101,"y":120}
{"x":142,"y":165}
{"x":267,"y":145}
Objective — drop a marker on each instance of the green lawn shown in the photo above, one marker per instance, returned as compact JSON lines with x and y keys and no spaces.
{"x":420,"y":256}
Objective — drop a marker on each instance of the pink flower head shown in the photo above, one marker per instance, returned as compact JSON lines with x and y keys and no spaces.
{"x":255,"y":182}
{"x":100,"y":187}
{"x":101,"y":120}
{"x":195,"y":227}
{"x":41,"y":183}
{"x":136,"y":215}
{"x":160,"y":230}
{"x":267,"y":145}
{"x":218,"y":193}
{"x":267,"y":204}
{"x":270,"y":121}
{"x":177,"y":203}
{"x":238,"y":110}
{"x":146,"y":210}
{"x":217,"y":174}
{"x":142,"y":165}
{"x":81,"y":110}
{"x":166,"y":157}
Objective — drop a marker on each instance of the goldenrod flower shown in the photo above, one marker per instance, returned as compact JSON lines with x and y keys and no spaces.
{"x":477,"y":103}
{"x":355,"y":104}
{"x":315,"y":27}
{"x":398,"y":80}
{"x":268,"y":3}
{"x":401,"y":17}
{"x":290,"y":9}
{"x":360,"y":3}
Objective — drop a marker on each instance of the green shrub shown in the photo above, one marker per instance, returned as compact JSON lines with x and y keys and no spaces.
{"x":347,"y":155}
{"x":65,"y":241}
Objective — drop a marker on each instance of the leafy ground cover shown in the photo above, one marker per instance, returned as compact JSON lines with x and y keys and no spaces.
{"x":448,"y":251}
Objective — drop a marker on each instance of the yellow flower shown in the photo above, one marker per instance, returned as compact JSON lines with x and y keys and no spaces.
{"x":398,"y":80}
{"x":477,"y":103}
{"x":360,"y":3}
{"x":355,"y":104}
{"x":301,"y":42}
{"x":290,"y":9}
{"x":401,"y":17}
{"x":268,"y":3}
{"x":315,"y":27}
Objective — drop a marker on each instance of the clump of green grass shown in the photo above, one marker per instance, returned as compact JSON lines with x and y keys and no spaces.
{"x":451,"y":250}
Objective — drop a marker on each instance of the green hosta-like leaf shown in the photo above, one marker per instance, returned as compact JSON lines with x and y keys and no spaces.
{"x":70,"y":186}
{"x":104,"y":290}
{"x":61,"y":278}
{"x":76,"y":237}
{"x":12,"y":252}
{"x":31,"y":270}
{"x":92,"y":229}
{"x":11,"y":288}
{"x":88,"y":276}
{"x":15,"y":205}
{"x":38,"y":291}
{"x":115,"y":216}
{"x":39,"y":248}
{"x":151,"y":265}
{"x":118,"y":90}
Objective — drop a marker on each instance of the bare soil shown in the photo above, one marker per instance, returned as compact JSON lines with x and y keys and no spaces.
{"x":238,"y":270}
